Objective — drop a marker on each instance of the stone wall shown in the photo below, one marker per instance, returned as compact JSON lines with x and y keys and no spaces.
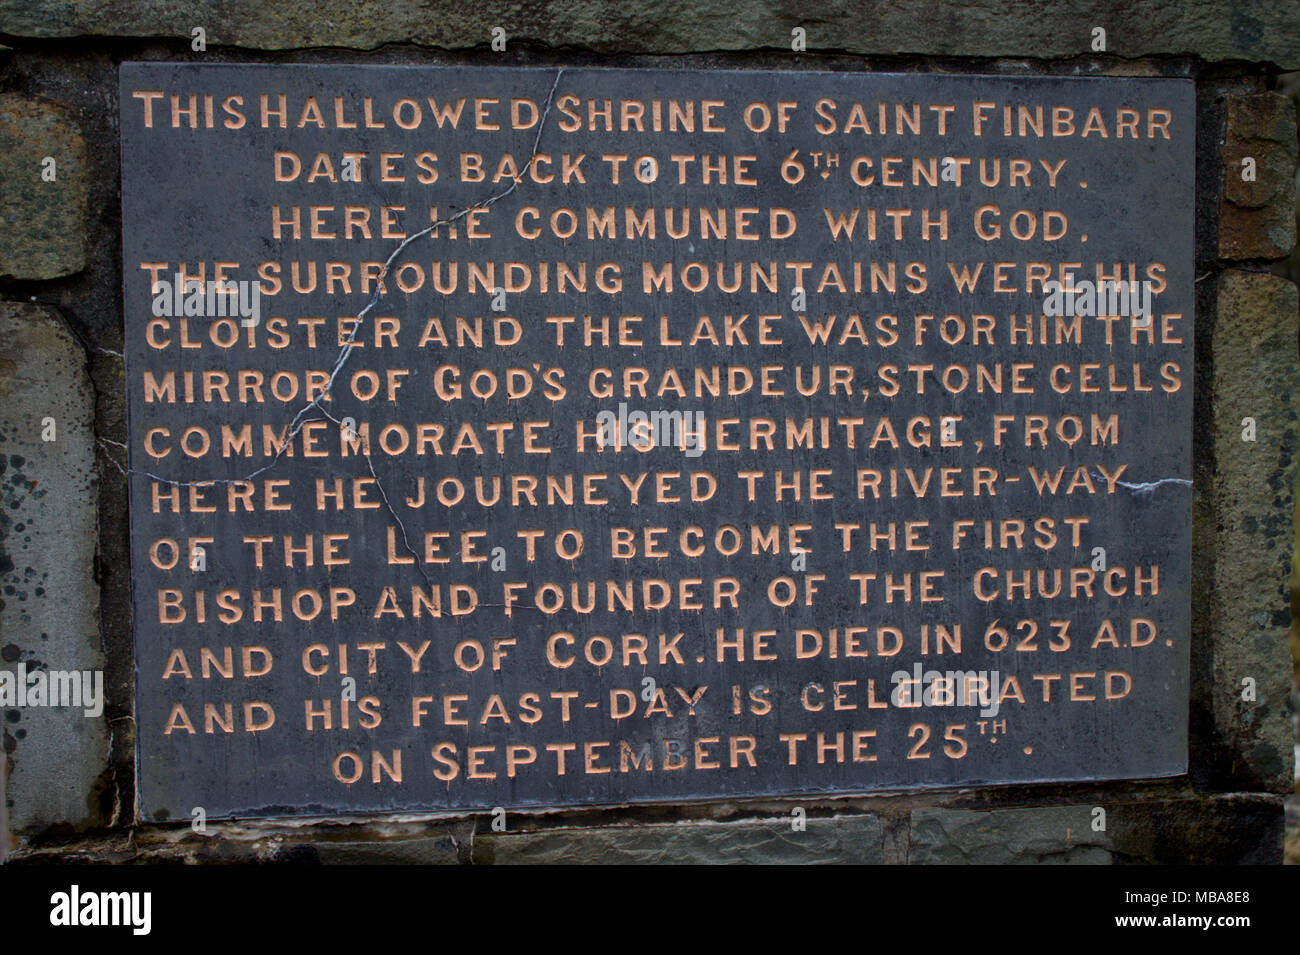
{"x":64,"y":571}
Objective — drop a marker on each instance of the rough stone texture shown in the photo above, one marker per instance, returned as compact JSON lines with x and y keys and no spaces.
{"x":80,"y":73}
{"x":316,"y":841}
{"x":1260,"y":30}
{"x":1056,"y":834}
{"x":43,"y":235}
{"x":436,"y":851}
{"x":91,"y":303}
{"x":1292,"y":855}
{"x":1208,"y":830}
{"x":4,"y":806}
{"x":1257,"y":219}
{"x":49,"y":607}
{"x":844,"y":839}
{"x":1256,"y":375}
{"x":1230,"y":829}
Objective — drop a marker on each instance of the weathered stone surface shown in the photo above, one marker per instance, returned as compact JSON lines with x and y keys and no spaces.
{"x":1291,"y":855}
{"x":1255,"y":376}
{"x":43,"y":235}
{"x":384,"y":842}
{"x":440,"y":850}
{"x":1257,"y":218}
{"x":1054,"y":835}
{"x":847,"y":839}
{"x":1210,"y":830}
{"x":49,"y":607}
{"x":1261,"y":30}
{"x":1229,"y":829}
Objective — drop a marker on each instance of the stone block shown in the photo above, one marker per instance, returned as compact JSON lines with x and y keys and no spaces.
{"x":1257,"y":216}
{"x":1214,"y":30}
{"x":837,"y":839}
{"x":1195,"y":830}
{"x":44,"y":220}
{"x":49,"y":598}
{"x":1251,"y":497}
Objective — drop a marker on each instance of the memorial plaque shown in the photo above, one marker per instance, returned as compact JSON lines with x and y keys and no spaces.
{"x":523,"y":437}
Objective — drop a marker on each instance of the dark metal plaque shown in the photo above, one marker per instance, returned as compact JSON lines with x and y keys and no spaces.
{"x":733,"y":434}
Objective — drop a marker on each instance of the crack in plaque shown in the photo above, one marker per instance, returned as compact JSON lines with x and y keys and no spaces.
{"x":384,"y":494}
{"x":345,"y":352}
{"x":1144,"y":488}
